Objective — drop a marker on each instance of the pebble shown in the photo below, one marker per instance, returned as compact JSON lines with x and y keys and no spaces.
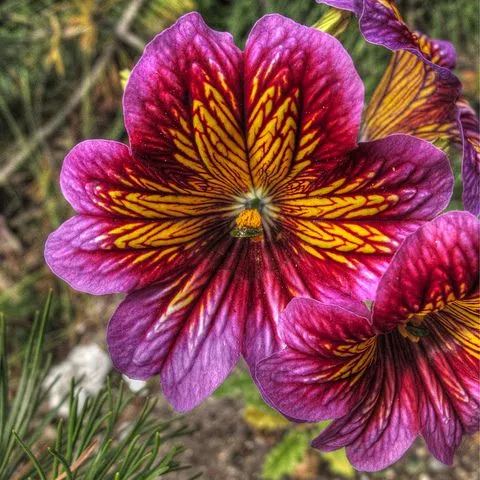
{"x":89,"y":365}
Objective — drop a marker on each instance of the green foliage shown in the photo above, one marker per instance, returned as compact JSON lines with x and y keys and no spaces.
{"x":239,"y":16}
{"x":286,"y":455}
{"x":53,"y":52}
{"x":95,"y":441}
{"x":256,"y":412}
{"x":293,"y":446}
{"x":339,"y":464}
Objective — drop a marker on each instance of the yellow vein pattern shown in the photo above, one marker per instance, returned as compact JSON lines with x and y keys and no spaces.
{"x":410,"y":99}
{"x":338,"y":241}
{"x":461,"y":319}
{"x":156,"y":234}
{"x":272,"y":130}
{"x":358,"y":357}
{"x":157,"y":206}
{"x":211,"y":143}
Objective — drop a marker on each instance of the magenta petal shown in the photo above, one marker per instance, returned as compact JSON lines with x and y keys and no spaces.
{"x":268,"y":296}
{"x":90,"y":253}
{"x":451,"y":395}
{"x":471,"y":179}
{"x":380,"y":428}
{"x":470,"y":129}
{"x":298,"y":75}
{"x":433,"y":268}
{"x":190,"y":74}
{"x":189,"y":331}
{"x":440,"y":259}
{"x":354,"y":6}
{"x":73,"y":254}
{"x":94,"y":168}
{"x":275,"y":278}
{"x":381,"y":24}
{"x":379,"y":195}
{"x":418,"y":173}
{"x":133,"y":227}
{"x":315,"y":376}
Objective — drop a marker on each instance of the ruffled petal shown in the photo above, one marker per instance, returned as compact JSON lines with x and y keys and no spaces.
{"x":319,"y":374}
{"x":413,"y":97}
{"x":435,"y":266}
{"x":132,"y":227}
{"x":471,"y":157}
{"x":183,"y":108}
{"x":381,"y":194}
{"x":381,"y":23}
{"x":382,"y":426}
{"x":303,"y":101}
{"x":418,"y":94}
{"x":189,"y":331}
{"x":447,"y":362}
{"x":100,"y":255}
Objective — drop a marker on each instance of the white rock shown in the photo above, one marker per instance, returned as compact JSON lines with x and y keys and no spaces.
{"x":134,"y":385}
{"x":89,"y":365}
{"x":436,"y":465}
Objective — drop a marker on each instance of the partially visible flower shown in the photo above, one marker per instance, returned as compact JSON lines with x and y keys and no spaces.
{"x":409,"y":368}
{"x":88,"y":365}
{"x":418,"y":94}
{"x":471,"y":156}
{"x":243,"y":187}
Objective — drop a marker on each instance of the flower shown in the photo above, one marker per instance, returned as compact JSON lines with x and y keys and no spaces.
{"x":243,"y":186}
{"x":418,"y":94}
{"x":410,"y":367}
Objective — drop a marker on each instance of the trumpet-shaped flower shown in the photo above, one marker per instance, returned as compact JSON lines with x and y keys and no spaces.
{"x":409,"y":368}
{"x":418,"y":93}
{"x":242,"y":187}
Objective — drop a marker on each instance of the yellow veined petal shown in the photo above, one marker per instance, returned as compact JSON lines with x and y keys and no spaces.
{"x":411,"y":98}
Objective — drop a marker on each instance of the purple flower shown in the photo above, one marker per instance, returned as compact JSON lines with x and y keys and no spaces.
{"x":418,"y":93}
{"x":410,"y":367}
{"x":243,"y":186}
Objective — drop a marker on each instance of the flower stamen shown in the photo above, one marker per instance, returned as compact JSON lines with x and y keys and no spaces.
{"x":413,"y":330}
{"x":248,"y":224}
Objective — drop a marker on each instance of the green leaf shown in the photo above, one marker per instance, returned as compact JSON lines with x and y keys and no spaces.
{"x":31,"y":456}
{"x":286,"y":455}
{"x":94,"y":441}
{"x":240,"y":385}
{"x":334,"y":22}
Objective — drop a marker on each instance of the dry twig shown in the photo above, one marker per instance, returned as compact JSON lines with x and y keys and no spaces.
{"x":121,"y":33}
{"x":86,"y":454}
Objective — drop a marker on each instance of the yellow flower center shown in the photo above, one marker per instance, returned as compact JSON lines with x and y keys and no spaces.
{"x":249,"y":218}
{"x":248,"y":224}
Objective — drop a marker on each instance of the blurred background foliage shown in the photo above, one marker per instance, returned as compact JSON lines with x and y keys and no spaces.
{"x":62,"y":67}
